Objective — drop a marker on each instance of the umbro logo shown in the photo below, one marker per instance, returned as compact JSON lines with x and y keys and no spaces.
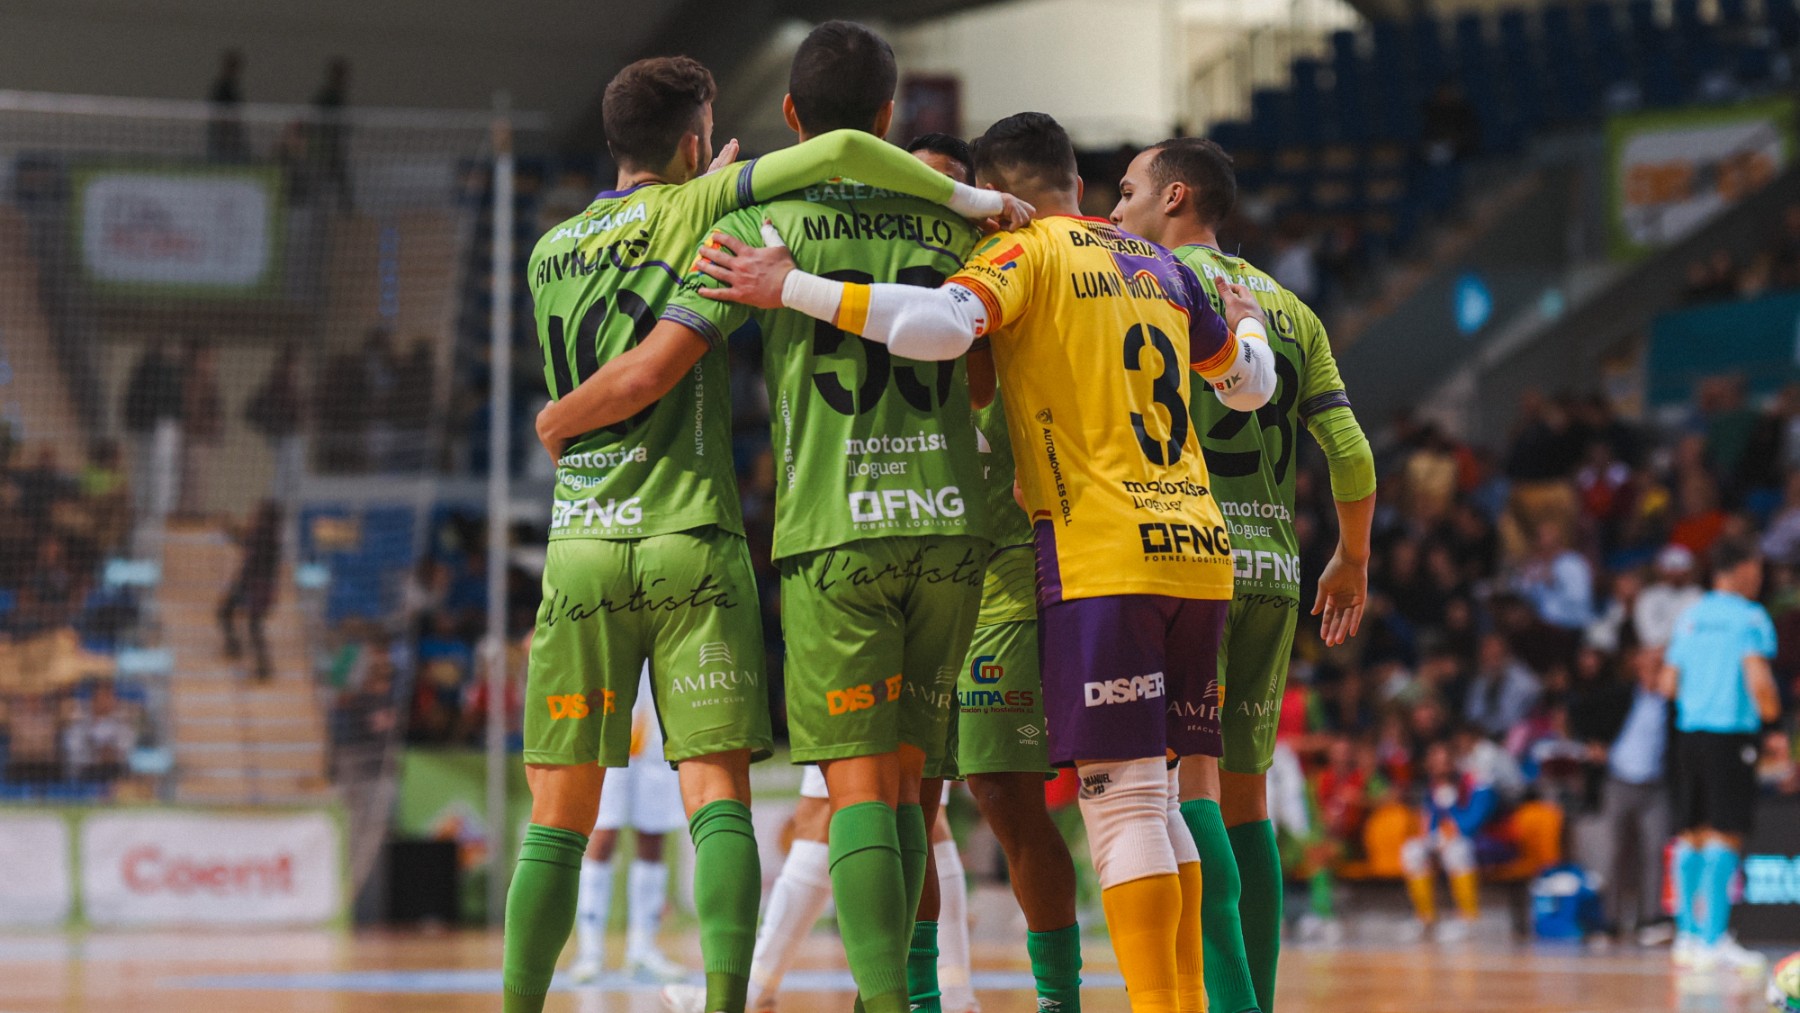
{"x":1027,"y":731}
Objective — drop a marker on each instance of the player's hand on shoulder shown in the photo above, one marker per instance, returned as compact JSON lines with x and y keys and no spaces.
{"x":727,"y":155}
{"x":1240,"y":304}
{"x":1015,"y":214}
{"x":752,"y":275}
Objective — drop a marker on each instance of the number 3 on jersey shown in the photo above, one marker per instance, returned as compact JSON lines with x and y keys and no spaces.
{"x":1165,"y":391}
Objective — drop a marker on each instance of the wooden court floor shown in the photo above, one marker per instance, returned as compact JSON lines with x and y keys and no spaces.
{"x":201,"y":972}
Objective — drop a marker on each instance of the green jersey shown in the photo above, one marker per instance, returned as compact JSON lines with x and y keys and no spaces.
{"x":1251,"y":455}
{"x":600,"y":280}
{"x":1009,"y":588}
{"x":867,"y":444}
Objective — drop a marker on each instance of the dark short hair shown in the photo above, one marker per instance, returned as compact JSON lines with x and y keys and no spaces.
{"x":1204,"y":168}
{"x":843,"y":74}
{"x":651,"y":104}
{"x":1733,"y":551}
{"x":954,"y":148}
{"x":1028,"y":145}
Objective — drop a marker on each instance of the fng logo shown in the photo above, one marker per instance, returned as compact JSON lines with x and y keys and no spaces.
{"x":575,"y":705}
{"x":1163,"y":539}
{"x":861,"y":698}
{"x":890,"y":504}
{"x":1138,"y":687}
{"x":984,"y":672}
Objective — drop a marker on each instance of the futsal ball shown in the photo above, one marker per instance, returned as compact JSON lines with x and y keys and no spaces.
{"x":1784,"y":984}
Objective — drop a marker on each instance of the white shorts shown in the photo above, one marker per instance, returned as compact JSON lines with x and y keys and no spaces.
{"x":646,"y":795}
{"x":812,"y":785}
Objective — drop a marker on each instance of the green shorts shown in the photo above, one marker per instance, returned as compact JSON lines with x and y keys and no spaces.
{"x":1253,"y":668}
{"x":686,"y":603}
{"x":1000,"y":703}
{"x":876,"y":631}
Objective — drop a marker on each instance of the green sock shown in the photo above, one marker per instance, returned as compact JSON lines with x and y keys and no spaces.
{"x":1259,"y":869}
{"x":1056,"y":964}
{"x":921,"y":969}
{"x":1319,"y":893}
{"x":727,"y":890}
{"x":540,"y":911}
{"x":867,"y":880}
{"x":1229,"y":988}
{"x":915,"y":850}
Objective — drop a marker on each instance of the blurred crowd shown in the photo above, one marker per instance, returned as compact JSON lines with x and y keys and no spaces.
{"x":62,"y":719}
{"x":1720,"y":276}
{"x":1521,"y":600}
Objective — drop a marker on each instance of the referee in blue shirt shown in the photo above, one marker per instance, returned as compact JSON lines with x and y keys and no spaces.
{"x":1717,"y":672}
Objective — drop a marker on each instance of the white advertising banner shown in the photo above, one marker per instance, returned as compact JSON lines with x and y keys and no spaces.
{"x":1675,"y":170}
{"x":36,"y":888}
{"x":199,"y":230}
{"x":195,"y":868}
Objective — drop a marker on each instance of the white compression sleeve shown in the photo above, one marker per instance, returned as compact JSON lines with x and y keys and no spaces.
{"x":973,"y":202}
{"x":918,"y":323}
{"x":1125,"y":807}
{"x":1250,"y":382}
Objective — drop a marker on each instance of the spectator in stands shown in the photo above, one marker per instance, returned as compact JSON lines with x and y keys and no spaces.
{"x":1557,"y":581}
{"x":108,"y":497}
{"x":1455,"y":809}
{"x":253,"y":590}
{"x":411,"y":399}
{"x":1451,"y":130}
{"x":152,"y":416}
{"x":1675,"y":589}
{"x":1544,"y":452}
{"x":53,"y":593}
{"x":1633,"y":825}
{"x":224,"y":129}
{"x":32,"y":736}
{"x":202,"y":424}
{"x":98,"y":740}
{"x":329,"y":144}
{"x":1781,"y":543}
{"x":1503,"y":691}
{"x":382,"y":379}
{"x":277,"y":412}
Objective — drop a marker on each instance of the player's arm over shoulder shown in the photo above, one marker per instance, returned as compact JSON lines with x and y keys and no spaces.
{"x":1229,"y":349}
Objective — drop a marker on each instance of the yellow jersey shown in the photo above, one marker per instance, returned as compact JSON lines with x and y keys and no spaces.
{"x":1094,"y":331}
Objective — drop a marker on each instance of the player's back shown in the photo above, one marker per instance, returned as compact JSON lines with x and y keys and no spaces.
{"x":1092,"y":351}
{"x":866,"y":444}
{"x":1252,"y":455}
{"x":598,"y":282}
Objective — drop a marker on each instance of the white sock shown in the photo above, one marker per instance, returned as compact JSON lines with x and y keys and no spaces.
{"x":649,"y":888}
{"x":953,"y":930}
{"x":801,"y":891}
{"x":591,"y":907}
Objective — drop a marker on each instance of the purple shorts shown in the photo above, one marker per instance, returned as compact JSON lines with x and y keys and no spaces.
{"x":1131,"y":676}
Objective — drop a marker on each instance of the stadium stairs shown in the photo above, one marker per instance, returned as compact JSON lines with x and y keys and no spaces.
{"x":237,"y":740}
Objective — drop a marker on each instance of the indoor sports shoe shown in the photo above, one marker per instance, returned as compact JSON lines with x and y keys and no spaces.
{"x":1454,"y":930}
{"x":651,"y":966}
{"x":1727,"y":955}
{"x":584,"y":970}
{"x":680,"y":998}
{"x":1685,"y":948}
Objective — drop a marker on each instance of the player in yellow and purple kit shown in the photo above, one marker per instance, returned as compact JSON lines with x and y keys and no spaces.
{"x":1093,"y":331}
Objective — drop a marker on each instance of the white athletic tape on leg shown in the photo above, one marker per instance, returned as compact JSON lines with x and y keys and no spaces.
{"x":1458,"y":855}
{"x":1125,"y":806}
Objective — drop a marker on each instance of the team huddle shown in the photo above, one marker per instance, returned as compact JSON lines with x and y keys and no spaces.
{"x":1011,"y":534}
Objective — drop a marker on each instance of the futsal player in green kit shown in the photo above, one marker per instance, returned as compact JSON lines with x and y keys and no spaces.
{"x":646,"y":560}
{"x":879,"y":552}
{"x":1002,"y":749}
{"x":1177,"y":193}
